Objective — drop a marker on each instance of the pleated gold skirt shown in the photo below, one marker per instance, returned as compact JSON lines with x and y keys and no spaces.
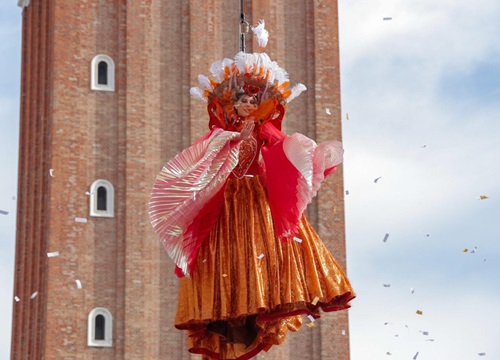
{"x":248,"y":288}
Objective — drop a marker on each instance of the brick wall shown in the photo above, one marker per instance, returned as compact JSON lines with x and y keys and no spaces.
{"x":159,"y":48}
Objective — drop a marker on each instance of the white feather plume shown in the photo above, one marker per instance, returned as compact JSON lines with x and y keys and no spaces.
{"x":296,"y":91}
{"x":261,"y":34}
{"x":197,"y":93}
{"x":205,"y":82}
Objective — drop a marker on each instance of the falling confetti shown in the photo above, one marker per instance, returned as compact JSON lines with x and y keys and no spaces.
{"x":16,"y":298}
{"x":412,"y":290}
{"x":3,"y":212}
{"x":224,"y":275}
{"x":427,"y":235}
{"x":315,"y":300}
{"x":482,"y":354}
{"x":387,"y":18}
{"x":34,"y":295}
{"x":311,"y":324}
{"x":53,"y":254}
{"x":297,"y":239}
{"x":465,"y":250}
{"x":260,"y":256}
{"x":347,"y":192}
{"x":343,"y":332}
{"x":415,"y":357}
{"x":420,"y":312}
{"x":334,"y":210}
{"x":388,"y":353}
{"x":377,"y":179}
{"x":424,"y":332}
{"x":51,"y":172}
{"x":423,"y":146}
{"x":311,"y":318}
{"x":429,"y":340}
{"x":387,"y":285}
{"x":80,"y":220}
{"x":347,"y":116}
{"x":483,"y":197}
{"x":473,"y":251}
{"x":78,"y":284}
{"x":328,"y":112}
{"x":386,"y":237}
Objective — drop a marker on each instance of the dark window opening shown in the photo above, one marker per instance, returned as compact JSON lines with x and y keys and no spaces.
{"x":101,"y":198}
{"x":99,"y":327}
{"x":102,"y":73}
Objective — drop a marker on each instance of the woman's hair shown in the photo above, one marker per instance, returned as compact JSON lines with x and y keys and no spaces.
{"x":238,"y":94}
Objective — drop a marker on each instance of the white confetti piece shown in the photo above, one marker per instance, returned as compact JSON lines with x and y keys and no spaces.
{"x":473,"y":251}
{"x":343,"y":332}
{"x":397,"y":335}
{"x":16,"y":298}
{"x":347,"y":192}
{"x":386,"y":323}
{"x":311,"y":318}
{"x":386,"y":237}
{"x":388,"y":353}
{"x":412,"y":290}
{"x":424,"y":332}
{"x":387,"y":285}
{"x":427,"y":235}
{"x":34,"y":295}
{"x":387,"y":18}
{"x":415,"y":357}
{"x":53,"y":254}
{"x":51,"y":172}
{"x":78,"y":284}
{"x":328,"y":112}
{"x":429,"y":340}
{"x":423,"y":146}
{"x":482,"y":354}
{"x":80,"y":220}
{"x":204,"y":260}
{"x":377,"y":179}
{"x":3,"y":212}
{"x":260,"y":256}
{"x":297,"y":239}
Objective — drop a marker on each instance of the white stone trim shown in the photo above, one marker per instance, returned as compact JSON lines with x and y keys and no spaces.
{"x":108,"y":328}
{"x":94,"y":73}
{"x":110,"y":199}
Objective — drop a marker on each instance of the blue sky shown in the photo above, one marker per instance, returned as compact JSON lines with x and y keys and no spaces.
{"x":422,"y":93}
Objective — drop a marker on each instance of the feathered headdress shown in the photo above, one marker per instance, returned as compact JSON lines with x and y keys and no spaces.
{"x":247,"y":71}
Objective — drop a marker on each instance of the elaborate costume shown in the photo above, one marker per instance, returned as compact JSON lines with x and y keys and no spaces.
{"x":229,"y":211}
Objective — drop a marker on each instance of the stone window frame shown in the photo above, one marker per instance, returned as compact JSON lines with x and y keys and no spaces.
{"x":94,"y":73}
{"x":110,"y":199}
{"x":108,"y":328}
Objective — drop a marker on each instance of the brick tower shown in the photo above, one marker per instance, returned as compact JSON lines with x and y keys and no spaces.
{"x":105,"y":102}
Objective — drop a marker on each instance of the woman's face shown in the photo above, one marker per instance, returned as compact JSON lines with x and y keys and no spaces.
{"x":245,"y":105}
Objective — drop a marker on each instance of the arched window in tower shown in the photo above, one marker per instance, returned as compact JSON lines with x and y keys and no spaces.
{"x":100,"y":328}
{"x":102,"y":199}
{"x":102,"y":73}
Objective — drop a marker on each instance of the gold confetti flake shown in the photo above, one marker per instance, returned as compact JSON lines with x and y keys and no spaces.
{"x":465,"y":250}
{"x":311,"y":324}
{"x":420,"y":312}
{"x":483,"y":197}
{"x":315,"y":300}
{"x":224,"y":275}
{"x":347,"y":116}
